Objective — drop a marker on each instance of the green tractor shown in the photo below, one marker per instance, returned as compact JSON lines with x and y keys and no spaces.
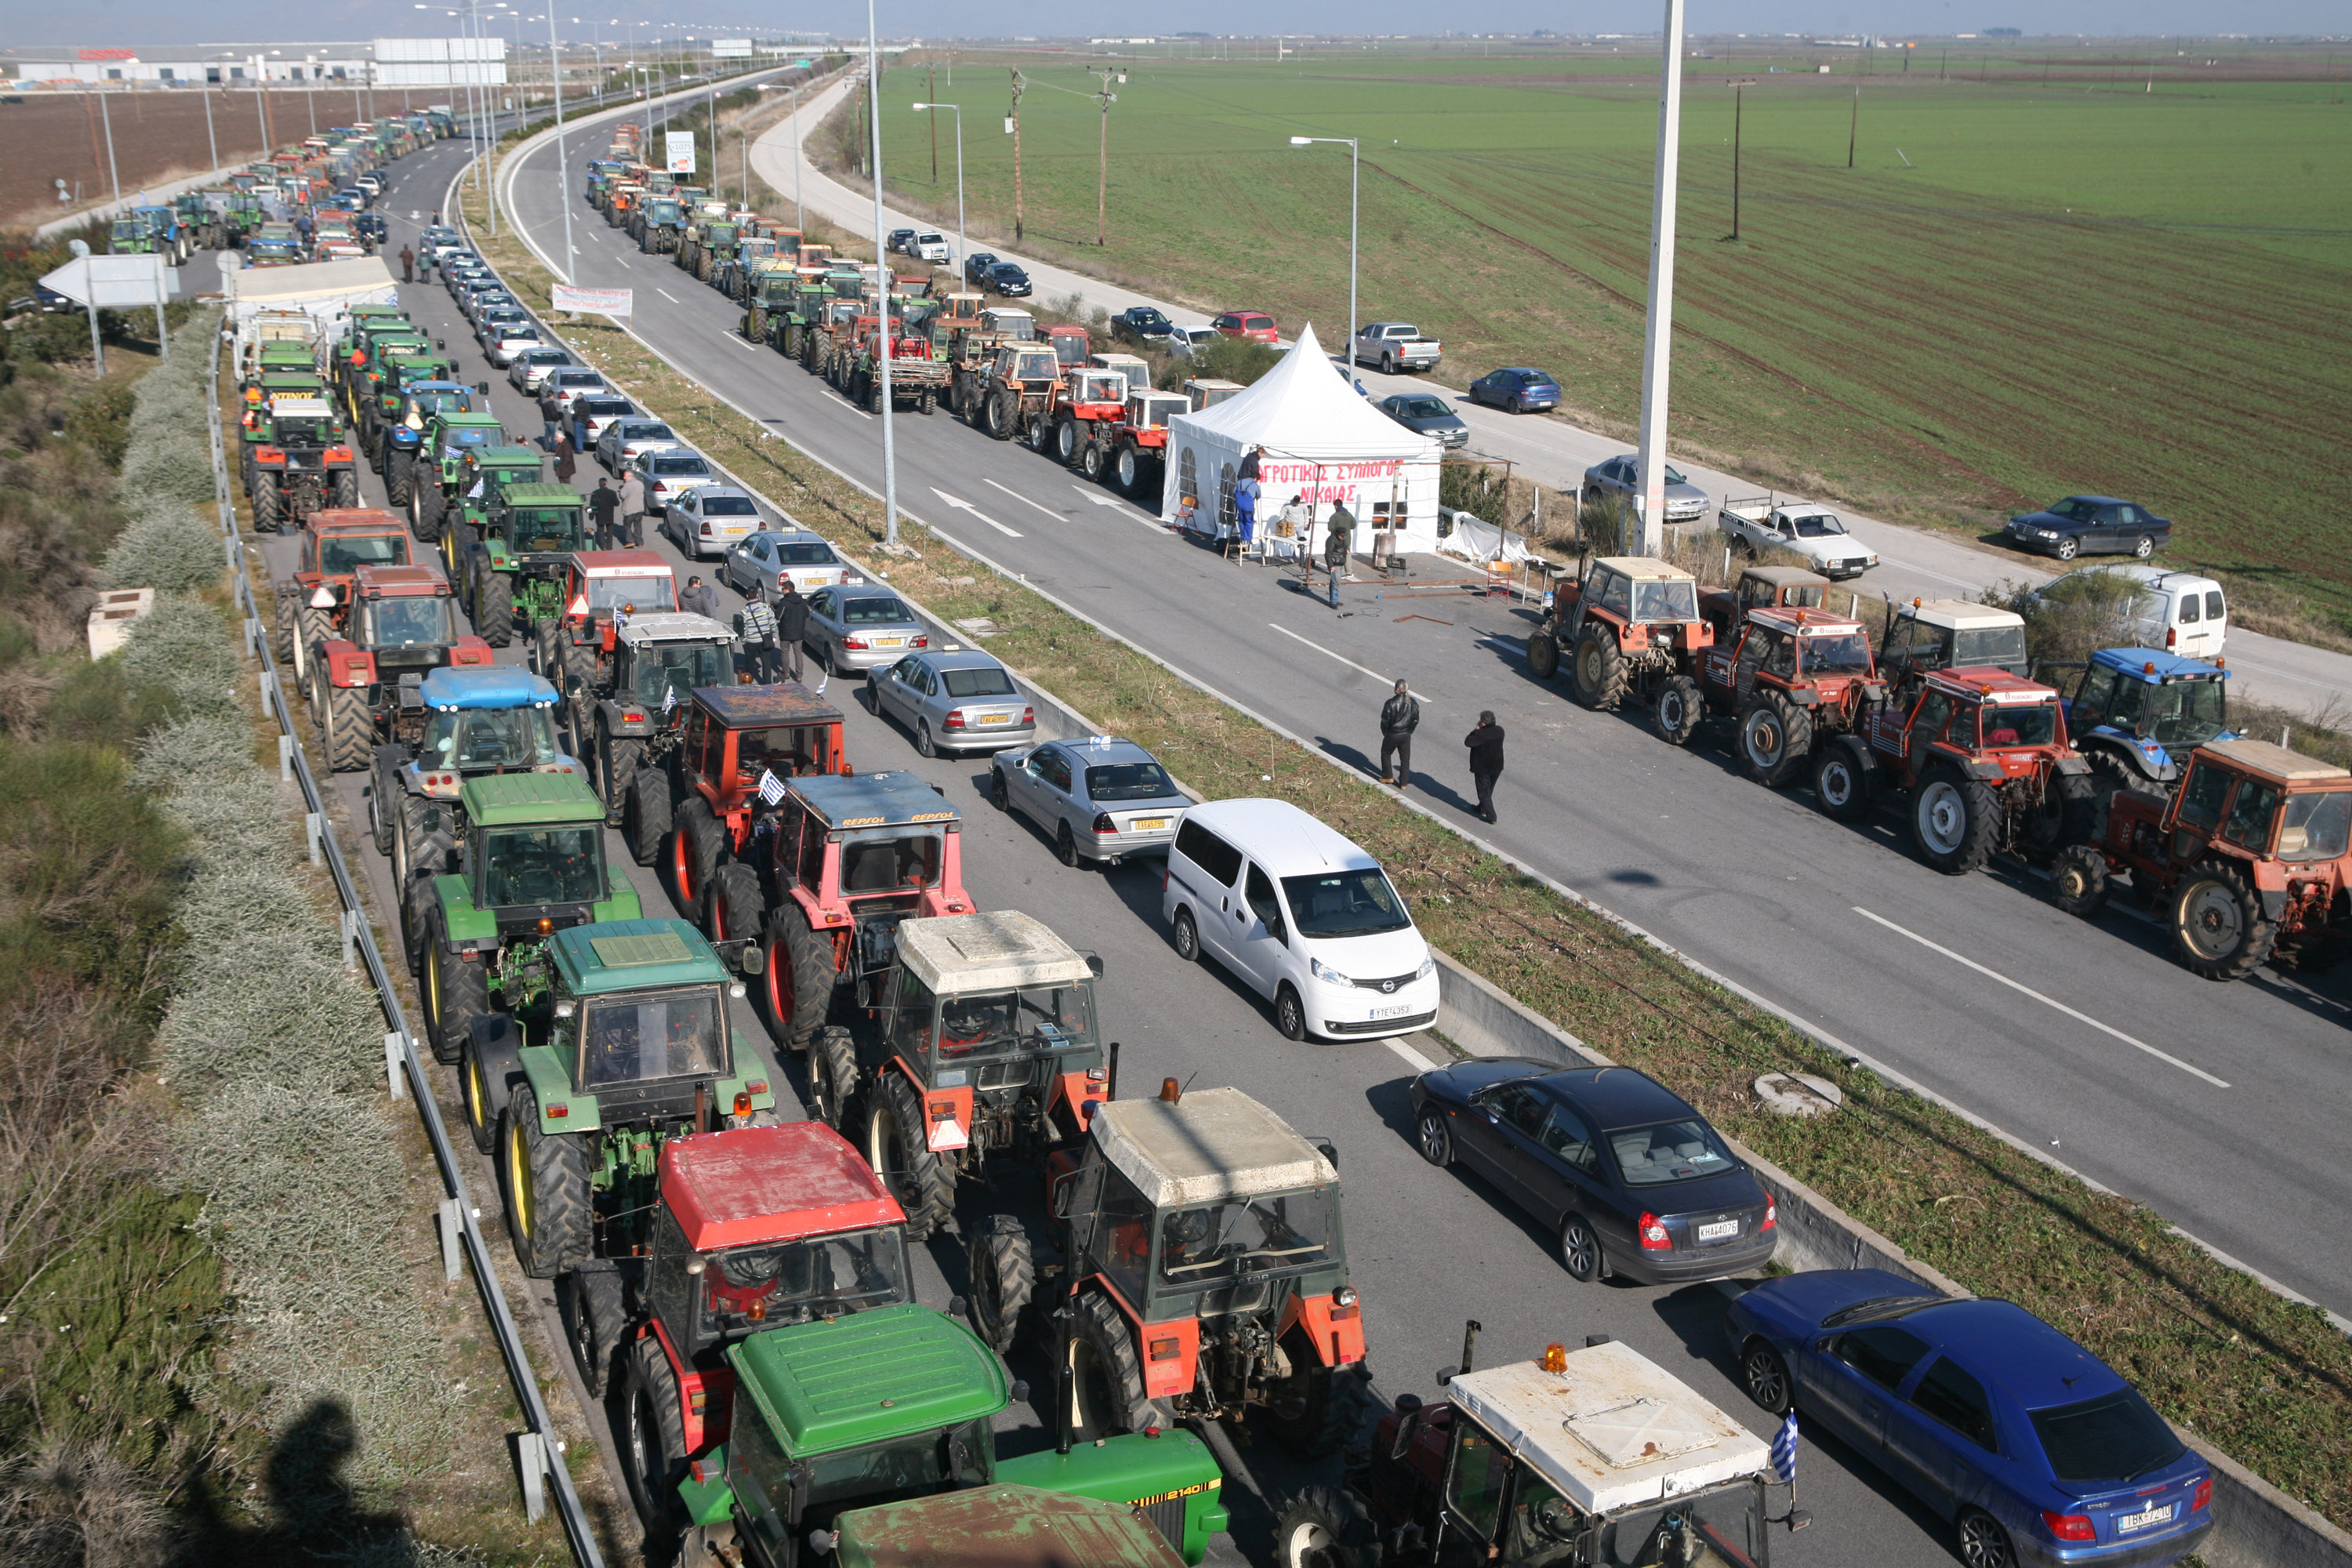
{"x":531,"y":863}
{"x":439,"y":475}
{"x":658,"y":224}
{"x":514,"y":553}
{"x":768,"y":298}
{"x":709,"y":245}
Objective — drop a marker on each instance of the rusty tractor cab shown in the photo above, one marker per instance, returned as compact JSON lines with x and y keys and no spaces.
{"x":365,"y":685}
{"x":1758,"y":587}
{"x":1208,"y":392}
{"x":313,"y":603}
{"x":1982,"y":760}
{"x":1204,"y":1273}
{"x":1794,"y":678}
{"x":631,"y":714}
{"x":1070,"y":343}
{"x":832,"y":339}
{"x":1631,"y":626}
{"x":2247,"y":861}
{"x":850,"y":858}
{"x":1017,"y":391}
{"x":1929,"y":634}
{"x":984,"y":1050}
{"x":308,"y":463}
{"x":1140,"y":457}
{"x":602,"y":588}
{"x":917,"y":381}
{"x":1093,"y":401}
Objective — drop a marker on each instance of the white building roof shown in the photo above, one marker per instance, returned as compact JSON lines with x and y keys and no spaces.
{"x":995,"y":949}
{"x":1212,"y":1145}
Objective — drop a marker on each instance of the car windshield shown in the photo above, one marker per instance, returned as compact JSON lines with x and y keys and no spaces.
{"x":1108,"y":781}
{"x":1422,"y":408}
{"x":1717,"y":1530}
{"x":2315,"y":827}
{"x":754,"y":1287}
{"x":1023,"y":1022}
{"x":1345,"y":903}
{"x":2114,"y":1437}
{"x":888,"y":862}
{"x":991,"y":682}
{"x":471,"y":739}
{"x":664,"y":667}
{"x":654,"y":1035}
{"x":812,"y":552}
{"x":639,"y":595}
{"x":2073,"y":508}
{"x":680,"y":465}
{"x":2020,"y":723}
{"x":1987,"y":645}
{"x":872,"y":611}
{"x":1214,"y":1244}
{"x":1680,"y":1150}
{"x":543,"y":866}
{"x":1834,"y":653}
{"x":1819,"y":525}
{"x":728,"y":506}
{"x":340,"y":552}
{"x":1664,"y":602}
{"x":409,"y":620}
{"x":542,"y":528}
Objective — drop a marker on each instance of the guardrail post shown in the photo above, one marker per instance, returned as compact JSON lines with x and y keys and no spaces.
{"x":228,"y":548}
{"x":313,"y":826}
{"x":253,"y":635}
{"x":285,"y":759}
{"x":531,"y":1458}
{"x":351,"y":924}
{"x":452,"y":1224}
{"x":395,"y":1065}
{"x":268,"y":681}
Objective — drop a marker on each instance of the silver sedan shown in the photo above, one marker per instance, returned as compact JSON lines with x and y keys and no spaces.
{"x":858,"y":629}
{"x":953,"y":700}
{"x":765,"y":559}
{"x":620,"y":442}
{"x":1099,"y":799}
{"x":1619,"y":481}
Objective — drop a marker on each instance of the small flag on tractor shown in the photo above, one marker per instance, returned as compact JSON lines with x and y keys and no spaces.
{"x":771,"y":788}
{"x":1784,"y":1451}
{"x":669,"y":700}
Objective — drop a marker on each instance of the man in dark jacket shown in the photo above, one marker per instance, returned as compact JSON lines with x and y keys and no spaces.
{"x":1486,"y":744}
{"x":1399,"y":717}
{"x":408,"y":265}
{"x":698,"y":598}
{"x":792,"y":626}
{"x":602,"y":504}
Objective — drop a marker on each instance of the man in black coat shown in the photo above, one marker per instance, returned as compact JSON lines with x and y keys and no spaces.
{"x":1486,"y":744}
{"x":791,"y":625}
{"x":1399,"y":717}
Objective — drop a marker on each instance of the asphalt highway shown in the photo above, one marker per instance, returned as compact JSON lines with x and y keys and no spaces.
{"x":1427,"y":1248}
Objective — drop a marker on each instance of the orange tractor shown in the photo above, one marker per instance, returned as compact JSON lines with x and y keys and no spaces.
{"x":314,"y":602}
{"x":1630,"y":625}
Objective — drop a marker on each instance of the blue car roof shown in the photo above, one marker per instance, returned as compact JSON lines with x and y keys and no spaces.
{"x":2006,"y":1344}
{"x":497,"y":686}
{"x":2135,"y":661}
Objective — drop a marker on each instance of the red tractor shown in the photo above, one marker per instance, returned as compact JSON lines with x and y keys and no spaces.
{"x":1758,"y":588}
{"x":314,"y":602}
{"x":1630,"y":625}
{"x":365,"y":685}
{"x":575,"y":649}
{"x":1792,"y":679}
{"x":1090,"y":404}
{"x":1982,"y":759}
{"x":2248,"y":861}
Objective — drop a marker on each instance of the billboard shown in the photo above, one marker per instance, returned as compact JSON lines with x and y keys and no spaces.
{"x":730,"y":48}
{"x":440,"y":62}
{"x":677,"y":152}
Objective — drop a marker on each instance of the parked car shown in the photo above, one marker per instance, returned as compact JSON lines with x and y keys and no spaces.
{"x":763,"y":561}
{"x":600,"y":411}
{"x":1103,"y":799}
{"x":1186,"y":341}
{"x":1301,"y":915}
{"x":1621,"y":1171}
{"x":1800,"y":528}
{"x":569,"y":383}
{"x":508,"y":341}
{"x":622,"y":442}
{"x":976,"y":266}
{"x":859,"y":627}
{"x":1254,"y":325}
{"x":952,"y":699}
{"x":1518,"y":391}
{"x":2035,"y":1449}
{"x":711,"y":520}
{"x":668,"y":473}
{"x":1006,"y":279}
{"x":1141,"y":325}
{"x":2179,"y":611}
{"x":1613,"y":480}
{"x":899,"y":238}
{"x":2091,"y":525}
{"x":1426,"y":415}
{"x":1396,"y":345}
{"x":930,"y":247}
{"x":532,"y":368}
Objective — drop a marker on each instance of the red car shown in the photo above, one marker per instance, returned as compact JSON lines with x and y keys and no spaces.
{"x":1255,"y":326}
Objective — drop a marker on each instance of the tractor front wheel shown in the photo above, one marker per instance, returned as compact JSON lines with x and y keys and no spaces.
{"x":616,"y":764}
{"x":901,"y":1155}
{"x":1109,"y":1396}
{"x":652,"y":1437}
{"x":1317,"y":1409}
{"x":1090,"y":461}
{"x":351,"y":728}
{"x":546,"y":1183}
{"x":594,"y":1314}
{"x":456,"y":992}
{"x":697,"y":845}
{"x":2079,"y":879}
{"x":474,"y":1095}
{"x":1845,"y":779}
{"x":646,"y":817}
{"x":1776,"y":738}
{"x":2066,"y":815}
{"x":399,"y":477}
{"x":832,"y":1077}
{"x":1954,"y":820}
{"x":1324,"y":1526}
{"x":2218,"y":922}
{"x":1003,"y":1278}
{"x":800,"y":979}
{"x":1543,"y":655}
{"x":1598,"y":674}
{"x":1128,"y":471}
{"x":733,"y":907}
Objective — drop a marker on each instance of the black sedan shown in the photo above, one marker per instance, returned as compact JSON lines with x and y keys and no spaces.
{"x":1426,"y":415}
{"x":2091,"y":525}
{"x":1617,"y":1167}
{"x":976,"y":266}
{"x":1141,"y":325}
{"x":1005,"y":278}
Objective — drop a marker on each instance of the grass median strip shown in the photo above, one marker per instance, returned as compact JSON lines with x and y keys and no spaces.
{"x":2215,"y":1349}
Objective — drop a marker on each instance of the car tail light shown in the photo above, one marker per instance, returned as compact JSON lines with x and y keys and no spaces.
{"x":1653,"y":1234}
{"x":953,"y":720}
{"x":2172,"y":637}
{"x":705,"y":530}
{"x":2070,"y":1526}
{"x":1771,"y":1215}
{"x":853,"y":642}
{"x":1103,"y":824}
{"x":1028,"y":715}
{"x":2204,"y":1498}
{"x":920,"y":642}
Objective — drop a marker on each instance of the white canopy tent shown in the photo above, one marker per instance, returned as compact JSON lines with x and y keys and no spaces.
{"x":1323,"y":443}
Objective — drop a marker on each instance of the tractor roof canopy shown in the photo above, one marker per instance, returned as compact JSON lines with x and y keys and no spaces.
{"x":673,"y":627}
{"x":524,"y":800}
{"x":767,"y":708}
{"x":2153,"y":666}
{"x":2273,"y":763}
{"x":372,"y":582}
{"x":635,"y":955}
{"x":1794,"y":618}
{"x":871,"y":800}
{"x":1987,"y":685}
{"x":1643,"y":569}
{"x":996,"y":949}
{"x":511,"y":457}
{"x":868,"y":1378}
{"x":1208,"y":1147}
{"x":489,"y":686}
{"x":1958,"y":614}
{"x":534,"y":493}
{"x":761,"y":1185}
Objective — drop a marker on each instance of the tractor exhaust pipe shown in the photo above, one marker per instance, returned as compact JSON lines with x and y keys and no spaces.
{"x":702,"y":1109}
{"x":1469,"y":1344}
{"x":1110,"y":1079}
{"x":1066,"y":1400}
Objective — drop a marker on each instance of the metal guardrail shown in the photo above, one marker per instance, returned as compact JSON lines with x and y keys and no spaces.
{"x":539,"y":1451}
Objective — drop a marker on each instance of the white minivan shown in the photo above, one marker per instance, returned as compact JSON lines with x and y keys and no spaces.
{"x":2182,"y":613}
{"x":1303,"y":915}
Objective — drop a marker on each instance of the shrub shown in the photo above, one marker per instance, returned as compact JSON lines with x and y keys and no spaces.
{"x":167,"y":547}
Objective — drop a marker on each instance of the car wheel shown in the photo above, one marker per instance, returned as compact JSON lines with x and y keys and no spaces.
{"x":1766,"y":1377}
{"x":1430,"y":1136}
{"x":1580,"y":1250}
{"x":1187,"y":938}
{"x":2144,"y":547}
{"x":923,"y":746}
{"x":999,"y":795}
{"x":1066,"y":846}
{"x":1983,"y":1542}
{"x":1289,"y":1014}
{"x":2069,"y":548}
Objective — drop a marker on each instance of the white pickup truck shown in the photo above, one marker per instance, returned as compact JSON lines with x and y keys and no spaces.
{"x":1801,"y":528}
{"x":1395,"y":346}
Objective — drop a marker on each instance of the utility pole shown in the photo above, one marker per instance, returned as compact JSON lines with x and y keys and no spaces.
{"x":210,"y":140}
{"x":1658,"y":332}
{"x":1739,"y":92}
{"x":882,"y":282}
{"x":1012,"y":124}
{"x":1102,"y":161}
{"x":563,"y":159}
{"x":1853,"y":127}
{"x":800,"y":219}
{"x":111,"y":172}
{"x":930,"y":90}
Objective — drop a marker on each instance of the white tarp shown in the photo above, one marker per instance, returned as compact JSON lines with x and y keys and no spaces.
{"x":1323,"y":443}
{"x":363,"y":281}
{"x":1483,"y":542}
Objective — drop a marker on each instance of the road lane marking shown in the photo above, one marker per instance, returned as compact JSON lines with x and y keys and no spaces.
{"x":665,"y":293}
{"x":962,"y":505}
{"x":1099,"y":499}
{"x":737,"y":339}
{"x":1350,"y":663}
{"x":2047,"y":1002}
{"x":1024,"y":500}
{"x":1411,"y":1057}
{"x":624,"y":264}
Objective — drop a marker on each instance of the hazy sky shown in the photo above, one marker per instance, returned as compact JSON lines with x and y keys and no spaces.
{"x":119,"y":24}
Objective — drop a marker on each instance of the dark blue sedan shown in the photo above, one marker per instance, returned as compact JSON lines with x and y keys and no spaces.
{"x":2037,"y":1450}
{"x":1518,"y":391}
{"x":2091,"y":525}
{"x":1621,"y":1168}
{"x":1006,"y":279}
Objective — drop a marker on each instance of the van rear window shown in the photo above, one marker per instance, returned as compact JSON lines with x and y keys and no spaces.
{"x":1209,"y":852}
{"x":2213,"y":610}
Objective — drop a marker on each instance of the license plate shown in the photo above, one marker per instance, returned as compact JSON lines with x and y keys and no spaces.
{"x":2128,"y":1522}
{"x":888,"y":642}
{"x":1390,"y":1012}
{"x":1147,"y":823}
{"x":995,"y":718}
{"x":1721,"y":1230}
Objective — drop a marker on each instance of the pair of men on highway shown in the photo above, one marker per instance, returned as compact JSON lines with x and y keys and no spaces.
{"x":773,"y":632}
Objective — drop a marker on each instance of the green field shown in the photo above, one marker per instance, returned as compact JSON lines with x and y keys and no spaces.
{"x":2074,"y":285}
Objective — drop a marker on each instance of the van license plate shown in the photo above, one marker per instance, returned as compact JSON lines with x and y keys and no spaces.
{"x":1721,"y":1230}
{"x":1390,"y":1012}
{"x":2146,"y":1519}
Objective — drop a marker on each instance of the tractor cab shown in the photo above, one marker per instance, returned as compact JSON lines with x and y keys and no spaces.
{"x":1631,"y":627}
{"x":1070,"y":344}
{"x":1929,"y":634}
{"x":477,"y":722}
{"x":1098,"y":395}
{"x":2134,"y":709}
{"x":602,"y":588}
{"x":1760,"y":586}
{"x":1983,"y":757}
{"x":629,"y":708}
{"x":338,"y":541}
{"x":1792,"y":678}
{"x":1137,"y":370}
{"x":1010,"y":324}
{"x":534,"y":852}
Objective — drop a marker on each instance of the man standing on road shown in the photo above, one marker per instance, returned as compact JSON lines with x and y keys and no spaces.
{"x":1486,"y":744}
{"x":792,"y":626}
{"x":699,"y":599}
{"x":633,"y":510}
{"x":565,"y":456}
{"x":1399,"y":717}
{"x":551,"y":415}
{"x":760,"y":636}
{"x":408,"y":265}
{"x":602,"y":504}
{"x":1334,"y":546}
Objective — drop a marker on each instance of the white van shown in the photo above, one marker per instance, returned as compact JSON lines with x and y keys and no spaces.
{"x":929,"y":247}
{"x":2185,"y":614}
{"x":1303,"y":915}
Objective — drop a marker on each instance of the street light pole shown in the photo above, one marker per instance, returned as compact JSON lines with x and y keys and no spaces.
{"x":1658,"y":332}
{"x":957,"y":109}
{"x":882,"y":282}
{"x":563,"y":159}
{"x":211,"y":141}
{"x":111,"y":172}
{"x":1355,"y":190}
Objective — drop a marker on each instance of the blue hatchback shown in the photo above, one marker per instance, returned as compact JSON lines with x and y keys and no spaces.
{"x":2037,"y":1450}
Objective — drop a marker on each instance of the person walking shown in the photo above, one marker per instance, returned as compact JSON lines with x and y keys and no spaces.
{"x":760,"y":636}
{"x":566,"y":457}
{"x":1399,"y":717}
{"x":1335,"y":544}
{"x":633,"y":510}
{"x":699,"y":599}
{"x":602,"y":506}
{"x":408,"y":265}
{"x":1486,"y":744}
{"x":792,"y":626}
{"x":549,"y":416}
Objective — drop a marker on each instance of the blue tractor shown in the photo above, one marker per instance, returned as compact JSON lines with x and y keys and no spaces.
{"x":2138,"y":712}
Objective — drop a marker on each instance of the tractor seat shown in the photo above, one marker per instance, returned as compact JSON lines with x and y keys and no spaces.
{"x":2293,"y":842}
{"x":2000,"y":737}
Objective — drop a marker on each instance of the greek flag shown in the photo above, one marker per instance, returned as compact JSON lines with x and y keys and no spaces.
{"x":1784,"y":1451}
{"x":771,"y":788}
{"x":669,"y":700}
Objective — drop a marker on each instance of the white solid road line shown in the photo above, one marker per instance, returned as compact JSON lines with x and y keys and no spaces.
{"x":2047,"y":1001}
{"x":737,"y":339}
{"x":665,"y":293}
{"x":1024,"y":500}
{"x":1350,"y":663}
{"x":962,"y":505}
{"x":1411,"y":1057}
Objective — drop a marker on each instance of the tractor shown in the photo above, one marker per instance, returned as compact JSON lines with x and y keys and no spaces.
{"x":438,"y":472}
{"x":983,"y":1050}
{"x":531,"y":862}
{"x":601,"y":591}
{"x":1001,"y":1525}
{"x":2134,"y":707}
{"x":306,"y":465}
{"x":768,"y":295}
{"x":1630,"y":625}
{"x":918,"y":380}
{"x":629,"y":712}
{"x":657,"y":225}
{"x":1594,"y":1455}
{"x":1983,"y":763}
{"x":713,"y":244}
{"x":364,"y":685}
{"x":1791,"y":587}
{"x":1202,"y":1277}
{"x":627,"y":1044}
{"x":1091,"y":402}
{"x":465,"y":723}
{"x":1929,"y":634}
{"x":1131,"y":452}
{"x":514,"y":545}
{"x":1011,"y":393}
{"x":400,"y":428}
{"x":2247,"y":861}
{"x":1792,"y":678}
{"x":313,"y":602}
{"x":255,"y":427}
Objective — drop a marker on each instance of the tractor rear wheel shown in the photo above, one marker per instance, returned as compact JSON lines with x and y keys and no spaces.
{"x":1776,"y":739}
{"x":1598,"y":673}
{"x":312,"y":626}
{"x":1128,"y":471}
{"x":733,"y":907}
{"x":546,"y":1183}
{"x":1317,"y":1409}
{"x":833,"y":1077}
{"x":1845,"y":779}
{"x":419,"y":850}
{"x":2079,"y":879}
{"x":652,"y":1437}
{"x":347,"y":487}
{"x":646,"y":817}
{"x":594,"y":1314}
{"x":2110,"y":773}
{"x":417,"y":902}
{"x":494,"y":607}
{"x":1324,"y":1526}
{"x":2218,"y":922}
{"x":384,"y":795}
{"x":1543,"y":655}
{"x":285,"y":615}
{"x":697,"y":845}
{"x":1090,"y":461}
{"x":1109,"y":1398}
{"x":1003,"y":415}
{"x":1004,"y":1276}
{"x":800,"y":978}
{"x":1066,"y":440}
{"x":1676,"y":709}
{"x":455,"y":993}
{"x":899,"y":1153}
{"x":474,"y":1095}
{"x":430,"y":504}
{"x":399,"y":477}
{"x":351,"y":728}
{"x":1955,"y":820}
{"x":615,"y":762}
{"x":547,"y":653}
{"x":268,"y":504}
